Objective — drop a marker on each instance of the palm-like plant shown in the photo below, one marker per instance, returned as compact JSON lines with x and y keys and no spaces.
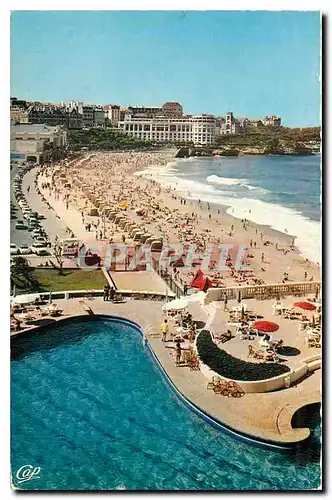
{"x":21,"y":275}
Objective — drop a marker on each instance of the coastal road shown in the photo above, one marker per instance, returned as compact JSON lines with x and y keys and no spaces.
{"x":17,"y":236}
{"x":52,"y":224}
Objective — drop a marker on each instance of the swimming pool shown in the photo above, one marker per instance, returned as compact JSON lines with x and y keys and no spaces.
{"x":91,"y":409}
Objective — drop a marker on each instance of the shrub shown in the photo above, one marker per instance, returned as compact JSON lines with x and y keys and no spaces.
{"x":233,"y":368}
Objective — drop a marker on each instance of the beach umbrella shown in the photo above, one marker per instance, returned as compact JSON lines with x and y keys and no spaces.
{"x":207,"y":285}
{"x":305,"y":305}
{"x":176,"y":305}
{"x":28,"y":298}
{"x":265,"y":326}
{"x":198,"y":281}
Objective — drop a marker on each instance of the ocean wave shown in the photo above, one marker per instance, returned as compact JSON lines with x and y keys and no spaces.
{"x":230,"y":181}
{"x":215,"y":179}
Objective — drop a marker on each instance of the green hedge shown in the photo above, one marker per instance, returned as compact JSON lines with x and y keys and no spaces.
{"x":233,"y":368}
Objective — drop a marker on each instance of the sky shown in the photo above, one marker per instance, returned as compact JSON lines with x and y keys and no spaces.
{"x":252,"y":63}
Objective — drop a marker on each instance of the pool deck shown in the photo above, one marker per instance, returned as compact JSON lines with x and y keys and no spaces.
{"x":263,"y":416}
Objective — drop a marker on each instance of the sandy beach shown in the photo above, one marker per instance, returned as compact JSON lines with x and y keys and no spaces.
{"x":114,"y":178}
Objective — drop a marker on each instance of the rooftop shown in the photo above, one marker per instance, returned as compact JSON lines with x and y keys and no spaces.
{"x":33,"y":128}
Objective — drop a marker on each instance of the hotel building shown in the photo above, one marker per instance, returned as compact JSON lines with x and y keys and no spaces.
{"x":200,"y":129}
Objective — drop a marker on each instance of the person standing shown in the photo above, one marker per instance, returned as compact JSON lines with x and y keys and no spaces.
{"x":178,"y":352}
{"x":106,"y":292}
{"x":164,"y":330}
{"x":225,"y":304}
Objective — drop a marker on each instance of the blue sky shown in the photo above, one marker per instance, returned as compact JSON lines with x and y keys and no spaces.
{"x":253,"y":63}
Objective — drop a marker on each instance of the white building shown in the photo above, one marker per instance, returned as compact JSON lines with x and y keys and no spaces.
{"x":230,"y":125}
{"x":200,"y":129}
{"x":28,"y":140}
{"x":112,"y":113}
{"x":272,"y":121}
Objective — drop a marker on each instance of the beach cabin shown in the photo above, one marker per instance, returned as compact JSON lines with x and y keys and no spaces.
{"x":93,"y":212}
{"x":123,"y":223}
{"x":145,"y":237}
{"x":138,"y":236}
{"x":156,"y":246}
{"x":133,"y":231}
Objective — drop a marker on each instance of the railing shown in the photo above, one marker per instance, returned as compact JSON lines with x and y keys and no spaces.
{"x":170,"y":282}
{"x":87,"y":294}
{"x":263,"y":291}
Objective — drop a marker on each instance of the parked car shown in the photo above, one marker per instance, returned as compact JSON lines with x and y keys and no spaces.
{"x":40,"y":239}
{"x":39,"y":249}
{"x":32,"y":219}
{"x":37,"y":232}
{"x":20,"y":225}
{"x":32,"y":226}
{"x":24,"y":249}
{"x":13,"y":249}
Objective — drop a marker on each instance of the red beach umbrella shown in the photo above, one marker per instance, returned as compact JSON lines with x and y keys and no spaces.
{"x":305,"y":305}
{"x":198,"y":281}
{"x":265,"y":326}
{"x":207,"y":285}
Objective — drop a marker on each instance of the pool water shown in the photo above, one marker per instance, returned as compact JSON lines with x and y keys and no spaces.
{"x":90,"y":407}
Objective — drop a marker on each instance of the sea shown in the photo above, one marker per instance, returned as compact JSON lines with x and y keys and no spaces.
{"x":283,"y":192}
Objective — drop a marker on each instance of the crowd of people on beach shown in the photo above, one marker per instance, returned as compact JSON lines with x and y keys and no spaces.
{"x":169,"y":216}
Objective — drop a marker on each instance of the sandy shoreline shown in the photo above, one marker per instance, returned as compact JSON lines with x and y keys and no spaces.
{"x":114,"y":177}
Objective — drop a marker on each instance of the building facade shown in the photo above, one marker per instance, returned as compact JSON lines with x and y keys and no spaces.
{"x":112,"y":113}
{"x":54,"y":115}
{"x":30,"y":140}
{"x":200,"y":129}
{"x":230,"y":125}
{"x":255,"y":123}
{"x":172,"y":110}
{"x":93,"y":116}
{"x":272,"y":121}
{"x":18,"y":115}
{"x":143,"y":111}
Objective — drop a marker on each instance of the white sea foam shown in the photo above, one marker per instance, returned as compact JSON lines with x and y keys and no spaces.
{"x":215,"y":179}
{"x":307,"y":233}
